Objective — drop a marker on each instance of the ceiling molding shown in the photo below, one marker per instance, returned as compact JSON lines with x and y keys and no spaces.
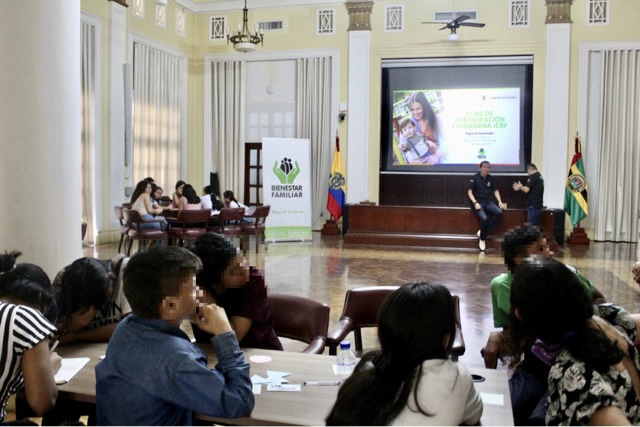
{"x":234,"y":5}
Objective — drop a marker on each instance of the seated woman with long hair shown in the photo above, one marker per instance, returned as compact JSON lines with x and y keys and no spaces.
{"x":190,"y":199}
{"x":411,"y":380}
{"x":594,"y":365}
{"x":141,"y":202}
{"x":27,"y":310}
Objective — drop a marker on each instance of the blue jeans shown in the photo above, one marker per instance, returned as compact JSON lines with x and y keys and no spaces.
{"x":533,"y":215}
{"x":528,"y":397}
{"x":486,"y":223}
{"x":155,"y":225}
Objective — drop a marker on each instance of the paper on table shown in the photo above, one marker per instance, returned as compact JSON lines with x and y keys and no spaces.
{"x":70,"y":367}
{"x":273,"y":377}
{"x":492,"y":399}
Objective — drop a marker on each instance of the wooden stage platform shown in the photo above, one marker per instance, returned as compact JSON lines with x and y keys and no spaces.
{"x":441,"y":227}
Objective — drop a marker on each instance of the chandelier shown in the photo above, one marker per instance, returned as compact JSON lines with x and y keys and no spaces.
{"x":243,"y":40}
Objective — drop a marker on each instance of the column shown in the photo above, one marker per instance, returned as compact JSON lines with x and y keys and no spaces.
{"x":358,"y":95}
{"x":40,"y":131}
{"x":557,"y":135}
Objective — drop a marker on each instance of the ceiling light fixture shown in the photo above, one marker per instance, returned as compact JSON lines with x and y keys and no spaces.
{"x":243,"y":40}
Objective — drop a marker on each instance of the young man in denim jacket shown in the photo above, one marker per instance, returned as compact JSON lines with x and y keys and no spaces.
{"x":152,"y":374}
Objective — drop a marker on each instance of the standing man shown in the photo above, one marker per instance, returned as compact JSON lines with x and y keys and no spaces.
{"x":481,"y":186}
{"x":534,"y":189}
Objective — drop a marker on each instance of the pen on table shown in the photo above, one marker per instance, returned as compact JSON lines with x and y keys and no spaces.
{"x":322,"y":382}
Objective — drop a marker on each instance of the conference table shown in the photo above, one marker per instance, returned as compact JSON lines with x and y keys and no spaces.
{"x":309,"y":406}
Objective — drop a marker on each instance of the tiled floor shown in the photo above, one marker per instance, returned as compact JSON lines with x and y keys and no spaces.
{"x":323,"y":270}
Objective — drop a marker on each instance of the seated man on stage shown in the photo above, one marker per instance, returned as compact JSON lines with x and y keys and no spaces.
{"x":481,"y":186}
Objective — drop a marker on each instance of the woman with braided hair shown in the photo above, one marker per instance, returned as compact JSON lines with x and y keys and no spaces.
{"x":411,"y":380}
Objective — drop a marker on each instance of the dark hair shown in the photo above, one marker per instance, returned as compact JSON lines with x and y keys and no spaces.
{"x":84,"y":283}
{"x":141,"y":187}
{"x":206,"y":189}
{"x":154,"y":274}
{"x":483,"y":162}
{"x":229,"y":195}
{"x":532,"y":166}
{"x":517,"y":241}
{"x":27,"y":284}
{"x":406,"y":122}
{"x":413,"y":324}
{"x":554,"y":307}
{"x":149,"y":180}
{"x":190,"y":193}
{"x":179,"y":183}
{"x":216,"y":254}
{"x":427,"y":111}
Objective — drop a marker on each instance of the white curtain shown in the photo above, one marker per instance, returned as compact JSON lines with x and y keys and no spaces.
{"x":313,"y":121}
{"x":157,"y":116}
{"x":616,"y":218}
{"x":228,"y":125}
{"x":88,"y":122}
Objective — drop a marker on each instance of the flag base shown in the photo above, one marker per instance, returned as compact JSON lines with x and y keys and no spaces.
{"x":578,"y":237}
{"x":330,"y":228}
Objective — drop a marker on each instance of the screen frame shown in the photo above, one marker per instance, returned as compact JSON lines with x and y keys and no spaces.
{"x":386,"y":126}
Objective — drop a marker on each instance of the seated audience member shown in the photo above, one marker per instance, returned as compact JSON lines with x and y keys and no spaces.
{"x":175,"y":197}
{"x":141,"y":202}
{"x":27,"y":310}
{"x":238,"y":288}
{"x":230,"y":200}
{"x":593,"y":377}
{"x":152,"y":374}
{"x":156,"y":195}
{"x":211,"y":201}
{"x":189,"y":199}
{"x":411,"y":380}
{"x":528,"y":383}
{"x":90,"y":299}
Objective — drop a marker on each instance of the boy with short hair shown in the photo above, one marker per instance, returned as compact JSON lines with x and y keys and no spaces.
{"x":152,"y":373}
{"x":412,"y":144}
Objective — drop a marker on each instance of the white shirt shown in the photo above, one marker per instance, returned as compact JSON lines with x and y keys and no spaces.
{"x":447,"y":392}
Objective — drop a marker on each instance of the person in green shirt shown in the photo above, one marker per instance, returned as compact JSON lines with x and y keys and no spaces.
{"x":528,"y":384}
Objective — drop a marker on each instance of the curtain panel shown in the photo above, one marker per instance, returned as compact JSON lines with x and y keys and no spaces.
{"x":88,"y":124}
{"x":618,"y":210}
{"x":157,"y":116}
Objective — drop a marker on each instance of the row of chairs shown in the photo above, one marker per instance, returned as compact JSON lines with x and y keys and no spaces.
{"x":306,"y":320}
{"x":188,"y":225}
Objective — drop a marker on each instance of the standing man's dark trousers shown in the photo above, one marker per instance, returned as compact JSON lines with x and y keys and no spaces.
{"x":486,"y":223}
{"x":533,"y":215}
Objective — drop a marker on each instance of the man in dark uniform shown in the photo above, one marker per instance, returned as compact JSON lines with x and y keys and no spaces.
{"x":534,"y":189}
{"x":481,"y":186}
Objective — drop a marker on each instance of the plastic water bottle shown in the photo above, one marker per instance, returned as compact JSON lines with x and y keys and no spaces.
{"x":346,"y":360}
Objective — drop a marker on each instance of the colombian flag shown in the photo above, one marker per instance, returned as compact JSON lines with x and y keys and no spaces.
{"x":337,"y":185}
{"x":575,"y":193}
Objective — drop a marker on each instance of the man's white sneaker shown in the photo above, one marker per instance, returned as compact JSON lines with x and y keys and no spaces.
{"x":478,"y":234}
{"x":482,"y":245}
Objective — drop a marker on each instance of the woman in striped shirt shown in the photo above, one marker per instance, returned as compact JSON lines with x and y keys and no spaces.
{"x":26,"y":297}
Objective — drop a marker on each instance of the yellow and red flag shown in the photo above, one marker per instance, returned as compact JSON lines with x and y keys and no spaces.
{"x":575,"y":193}
{"x":337,"y":185}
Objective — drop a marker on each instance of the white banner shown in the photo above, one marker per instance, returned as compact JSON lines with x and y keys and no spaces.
{"x":286,"y":180}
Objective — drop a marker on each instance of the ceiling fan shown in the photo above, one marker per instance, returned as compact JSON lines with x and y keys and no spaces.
{"x":457,"y":23}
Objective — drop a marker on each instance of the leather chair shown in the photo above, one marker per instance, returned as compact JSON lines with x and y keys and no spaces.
{"x":124,"y":228}
{"x":142,"y":235}
{"x":228,"y":222}
{"x":258,"y":225}
{"x":301,"y":319}
{"x":189,"y":225}
{"x":361,"y":307}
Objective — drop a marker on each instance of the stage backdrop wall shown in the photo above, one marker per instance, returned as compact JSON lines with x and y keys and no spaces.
{"x":287,"y":188}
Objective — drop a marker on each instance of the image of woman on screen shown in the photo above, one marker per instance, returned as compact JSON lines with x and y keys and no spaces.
{"x":426,"y":125}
